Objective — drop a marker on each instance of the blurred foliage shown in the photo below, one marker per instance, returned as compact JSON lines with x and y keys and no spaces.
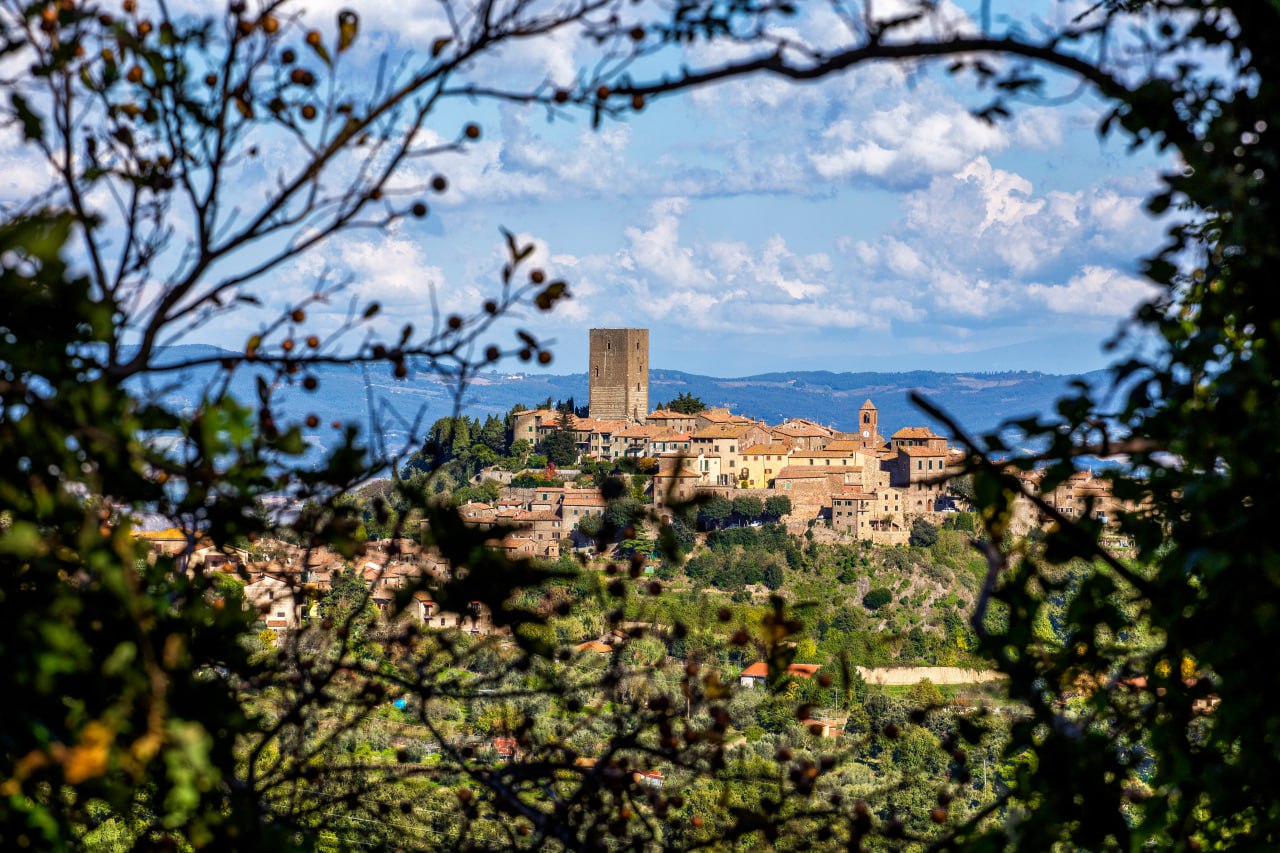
{"x":146,"y":709}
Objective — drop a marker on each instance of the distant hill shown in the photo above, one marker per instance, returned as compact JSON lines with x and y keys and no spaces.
{"x":981,"y":401}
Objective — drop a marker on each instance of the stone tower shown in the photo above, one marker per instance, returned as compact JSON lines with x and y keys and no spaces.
{"x":869,"y":425}
{"x":618,"y":374}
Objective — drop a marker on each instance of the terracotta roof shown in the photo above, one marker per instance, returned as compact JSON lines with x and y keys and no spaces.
{"x":760,"y":669}
{"x":915,"y":432}
{"x":537,"y":515}
{"x":851,"y":494}
{"x":639,"y":431}
{"x":769,"y":449}
{"x":802,"y":429}
{"x":845,"y":444}
{"x":667,"y":415}
{"x":724,"y":430}
{"x":594,"y":646}
{"x":921,"y":451}
{"x":722,"y":416}
{"x":868,"y":405}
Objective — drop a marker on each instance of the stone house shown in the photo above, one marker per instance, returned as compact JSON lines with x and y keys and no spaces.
{"x":279,"y":602}
{"x":917,"y":437}
{"x":580,"y":503}
{"x":803,"y":434}
{"x":676,"y":421}
{"x":874,"y":516}
{"x":920,"y":472}
{"x":675,"y":482}
{"x":727,"y":440}
{"x":669,"y":441}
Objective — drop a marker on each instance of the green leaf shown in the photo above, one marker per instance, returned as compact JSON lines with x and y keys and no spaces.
{"x":32,"y":125}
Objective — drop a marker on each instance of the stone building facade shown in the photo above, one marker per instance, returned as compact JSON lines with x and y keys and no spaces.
{"x":618,"y":374}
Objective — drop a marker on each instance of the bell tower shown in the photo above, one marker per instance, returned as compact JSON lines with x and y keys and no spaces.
{"x":869,"y":426}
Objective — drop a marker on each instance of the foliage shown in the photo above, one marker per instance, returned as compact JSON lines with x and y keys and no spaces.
{"x":561,"y":444}
{"x":923,"y":533}
{"x":776,"y":506}
{"x":748,"y":506}
{"x":876,"y":598}
{"x":715,"y":511}
{"x":149,"y":716}
{"x":686,"y":404}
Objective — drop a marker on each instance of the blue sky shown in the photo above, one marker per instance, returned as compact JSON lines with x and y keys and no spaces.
{"x":867,"y":222}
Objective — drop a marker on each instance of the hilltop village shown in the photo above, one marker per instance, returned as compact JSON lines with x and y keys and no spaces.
{"x":849,"y":486}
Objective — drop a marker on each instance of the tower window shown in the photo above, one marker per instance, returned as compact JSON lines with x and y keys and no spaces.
{"x":608,"y":344}
{"x":597,"y":373}
{"x":637,"y":386}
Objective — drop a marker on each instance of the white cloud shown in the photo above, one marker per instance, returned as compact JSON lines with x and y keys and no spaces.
{"x":1094,"y":291}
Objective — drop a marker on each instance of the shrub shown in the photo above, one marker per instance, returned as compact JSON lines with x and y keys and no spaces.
{"x":876,"y":598}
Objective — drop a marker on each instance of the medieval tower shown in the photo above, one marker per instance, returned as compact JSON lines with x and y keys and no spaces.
{"x":618,"y":374}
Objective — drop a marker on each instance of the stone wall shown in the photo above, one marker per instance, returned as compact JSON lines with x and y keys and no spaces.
{"x":900,"y":675}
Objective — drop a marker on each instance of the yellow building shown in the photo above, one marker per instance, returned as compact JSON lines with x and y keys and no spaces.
{"x":758,"y":464}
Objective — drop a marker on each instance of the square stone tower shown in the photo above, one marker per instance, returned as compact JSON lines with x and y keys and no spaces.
{"x":618,"y":374}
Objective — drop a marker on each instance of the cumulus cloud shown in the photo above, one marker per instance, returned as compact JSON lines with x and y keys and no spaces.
{"x":982,"y":242}
{"x":1094,"y":291}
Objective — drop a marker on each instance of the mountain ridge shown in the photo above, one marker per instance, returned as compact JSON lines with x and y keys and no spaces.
{"x":980,"y":401}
